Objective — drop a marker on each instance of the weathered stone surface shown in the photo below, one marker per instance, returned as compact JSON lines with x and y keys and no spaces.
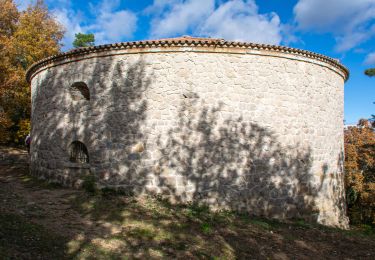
{"x":247,"y":131}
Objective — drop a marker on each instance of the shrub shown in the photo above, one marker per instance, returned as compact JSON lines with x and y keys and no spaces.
{"x":24,"y":128}
{"x":89,"y":184}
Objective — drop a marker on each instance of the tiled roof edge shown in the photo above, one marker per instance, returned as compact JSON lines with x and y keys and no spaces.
{"x":184,"y":42}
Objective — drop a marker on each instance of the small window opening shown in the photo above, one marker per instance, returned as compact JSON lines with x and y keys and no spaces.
{"x":78,"y":152}
{"x":79,"y":91}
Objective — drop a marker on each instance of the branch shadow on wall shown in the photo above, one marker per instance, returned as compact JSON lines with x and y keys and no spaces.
{"x":236,"y":165}
{"x":225,"y":162}
{"x":108,"y":124}
{"x":118,"y":160}
{"x":228,"y":163}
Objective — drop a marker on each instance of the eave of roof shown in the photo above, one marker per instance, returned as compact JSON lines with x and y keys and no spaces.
{"x":184,"y":41}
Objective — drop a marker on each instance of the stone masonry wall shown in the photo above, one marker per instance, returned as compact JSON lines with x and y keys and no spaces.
{"x":248,"y":132}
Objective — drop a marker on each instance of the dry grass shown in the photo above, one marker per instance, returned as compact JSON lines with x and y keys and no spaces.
{"x":42,"y":221}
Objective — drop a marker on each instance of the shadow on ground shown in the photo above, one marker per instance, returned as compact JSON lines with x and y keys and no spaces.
{"x":40,"y":221}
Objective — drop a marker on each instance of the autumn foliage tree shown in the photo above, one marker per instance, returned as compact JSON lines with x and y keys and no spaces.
{"x":360,"y":172}
{"x":25,"y":37}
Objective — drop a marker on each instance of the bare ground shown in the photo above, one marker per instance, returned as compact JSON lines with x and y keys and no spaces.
{"x":41,"y":221}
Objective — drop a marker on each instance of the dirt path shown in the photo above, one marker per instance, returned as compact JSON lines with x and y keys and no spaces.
{"x":39,"y":221}
{"x":38,"y":202}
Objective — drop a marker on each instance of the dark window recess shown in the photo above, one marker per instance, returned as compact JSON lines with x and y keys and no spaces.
{"x":78,"y":153}
{"x":79,"y":91}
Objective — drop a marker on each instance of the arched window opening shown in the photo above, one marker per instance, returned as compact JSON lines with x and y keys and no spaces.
{"x":78,"y":152}
{"x":79,"y":91}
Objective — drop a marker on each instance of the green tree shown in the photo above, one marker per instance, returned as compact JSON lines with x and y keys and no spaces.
{"x":84,"y":40}
{"x":370,"y":72}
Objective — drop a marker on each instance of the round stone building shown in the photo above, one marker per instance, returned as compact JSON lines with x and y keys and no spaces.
{"x":240,"y":126}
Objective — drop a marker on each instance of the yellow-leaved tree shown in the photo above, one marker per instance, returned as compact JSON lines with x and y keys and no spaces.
{"x":25,"y":37}
{"x":8,"y":21}
{"x":360,"y":172}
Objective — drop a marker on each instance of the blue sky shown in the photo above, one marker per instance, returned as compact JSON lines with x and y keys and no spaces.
{"x":342,"y":29}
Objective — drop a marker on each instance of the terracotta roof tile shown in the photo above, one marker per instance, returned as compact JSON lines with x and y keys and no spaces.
{"x":184,"y":41}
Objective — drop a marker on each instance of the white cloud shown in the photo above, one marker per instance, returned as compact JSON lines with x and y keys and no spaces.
{"x":158,"y":6}
{"x":233,"y":20}
{"x":239,"y":20}
{"x":348,"y":20}
{"x":71,"y":22}
{"x":181,"y":17}
{"x":350,"y":40}
{"x":104,"y":20}
{"x":370,"y":59}
{"x":111,"y":25}
{"x":288,"y":32}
